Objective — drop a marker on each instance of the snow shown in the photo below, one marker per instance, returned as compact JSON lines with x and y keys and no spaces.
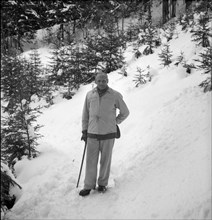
{"x":44,"y":52}
{"x":161,"y":167}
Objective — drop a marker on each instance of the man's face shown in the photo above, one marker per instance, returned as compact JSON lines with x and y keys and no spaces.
{"x":101,"y":81}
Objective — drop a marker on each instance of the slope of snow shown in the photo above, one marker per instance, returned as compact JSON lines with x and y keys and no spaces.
{"x":161,"y":166}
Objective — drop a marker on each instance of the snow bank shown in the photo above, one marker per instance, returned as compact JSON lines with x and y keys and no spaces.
{"x":161,"y":166}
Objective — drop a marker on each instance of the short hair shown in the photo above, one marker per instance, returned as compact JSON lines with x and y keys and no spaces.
{"x":101,"y":73}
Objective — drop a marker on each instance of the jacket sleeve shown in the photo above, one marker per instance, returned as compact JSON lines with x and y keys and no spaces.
{"x":123,"y":109}
{"x":85,"y":115}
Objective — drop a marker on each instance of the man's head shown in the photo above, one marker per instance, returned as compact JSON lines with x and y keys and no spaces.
{"x":101,"y":80}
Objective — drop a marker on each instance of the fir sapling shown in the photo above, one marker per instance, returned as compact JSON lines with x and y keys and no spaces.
{"x":141,"y":77}
{"x":165,"y":55}
{"x":206,"y":66}
{"x":189,"y":67}
{"x":180,"y":59}
{"x":201,"y":31}
{"x":7,"y":180}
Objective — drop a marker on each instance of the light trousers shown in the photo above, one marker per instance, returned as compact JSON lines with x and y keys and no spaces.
{"x":95,"y":148}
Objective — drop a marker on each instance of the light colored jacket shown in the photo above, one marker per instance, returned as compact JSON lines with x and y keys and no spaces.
{"x":99,"y":113}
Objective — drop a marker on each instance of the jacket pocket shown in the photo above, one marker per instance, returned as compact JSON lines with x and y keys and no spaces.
{"x":118,"y":133}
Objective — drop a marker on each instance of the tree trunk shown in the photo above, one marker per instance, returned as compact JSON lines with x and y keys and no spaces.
{"x":74,"y":27}
{"x":122,"y":23}
{"x":165,"y":11}
{"x":188,"y":4}
{"x":62,"y":32}
{"x":173,"y":8}
{"x":27,"y":132}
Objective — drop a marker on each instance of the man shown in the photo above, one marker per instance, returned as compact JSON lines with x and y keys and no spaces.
{"x":99,"y":129}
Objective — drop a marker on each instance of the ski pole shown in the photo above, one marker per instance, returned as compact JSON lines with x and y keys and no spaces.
{"x":81,"y":164}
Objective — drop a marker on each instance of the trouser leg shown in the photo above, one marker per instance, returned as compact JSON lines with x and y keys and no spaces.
{"x":92,"y":156}
{"x":106,"y":148}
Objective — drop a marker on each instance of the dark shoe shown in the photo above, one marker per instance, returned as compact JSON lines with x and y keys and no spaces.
{"x":101,"y":188}
{"x":84,"y":192}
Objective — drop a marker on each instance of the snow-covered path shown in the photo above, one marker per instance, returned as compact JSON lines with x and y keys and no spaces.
{"x":160,"y":170}
{"x":161,"y":166}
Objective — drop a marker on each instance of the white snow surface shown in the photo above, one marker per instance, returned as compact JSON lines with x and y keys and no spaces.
{"x":161,"y":165}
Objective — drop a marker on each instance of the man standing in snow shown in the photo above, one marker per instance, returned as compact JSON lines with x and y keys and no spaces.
{"x":99,"y":131}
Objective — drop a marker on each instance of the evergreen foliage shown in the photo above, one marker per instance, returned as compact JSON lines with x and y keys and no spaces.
{"x":206,"y":66}
{"x":180,"y":59}
{"x":110,"y":46}
{"x":58,"y":65}
{"x":19,"y":133}
{"x":150,"y":38}
{"x":148,"y":34}
{"x":7,"y":200}
{"x":132,"y":32}
{"x":204,"y":6}
{"x":76,"y":68}
{"x":92,"y":56}
{"x":10,"y":75}
{"x":142,"y":78}
{"x":187,"y":20}
{"x":165,"y":55}
{"x":189,"y":67}
{"x":169,"y":30}
{"x":35,"y":77}
{"x":21,"y":19}
{"x":72,"y":65}
{"x":21,"y":78}
{"x":201,"y":32}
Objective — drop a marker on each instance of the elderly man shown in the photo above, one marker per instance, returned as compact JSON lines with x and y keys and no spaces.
{"x":99,"y":120}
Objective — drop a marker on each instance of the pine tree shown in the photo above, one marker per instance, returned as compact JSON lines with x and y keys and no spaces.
{"x":7,"y":200}
{"x":165,"y":55}
{"x":110,"y":46}
{"x":57,"y":66}
{"x":132,"y":32}
{"x":19,"y":133}
{"x":201,"y":32}
{"x":34,"y":74}
{"x":72,"y":65}
{"x":19,"y":24}
{"x":89,"y":62}
{"x":13,"y":81}
{"x":20,"y":79}
{"x":204,"y":6}
{"x":189,"y":67}
{"x":180,"y":59}
{"x":47,"y":86}
{"x":187,"y":20}
{"x":91,"y":54}
{"x":76,"y":68}
{"x":206,"y":66}
{"x":142,"y":78}
{"x":37,"y":77}
{"x":148,"y":34}
{"x":169,"y":30}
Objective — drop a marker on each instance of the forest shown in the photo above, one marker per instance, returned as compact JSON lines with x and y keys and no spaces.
{"x":75,"y":63}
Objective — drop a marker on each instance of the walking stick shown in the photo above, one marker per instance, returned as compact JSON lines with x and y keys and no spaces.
{"x":81,"y":164}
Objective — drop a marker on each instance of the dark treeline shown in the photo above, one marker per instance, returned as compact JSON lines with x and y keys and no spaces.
{"x":21,"y":19}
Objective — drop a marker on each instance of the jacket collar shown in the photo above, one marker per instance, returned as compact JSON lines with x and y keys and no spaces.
{"x":95,"y":90}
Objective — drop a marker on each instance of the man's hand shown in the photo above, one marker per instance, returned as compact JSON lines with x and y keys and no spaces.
{"x":84,"y":136}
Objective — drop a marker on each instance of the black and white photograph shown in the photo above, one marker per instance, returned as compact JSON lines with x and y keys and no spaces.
{"x":106,"y":109}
